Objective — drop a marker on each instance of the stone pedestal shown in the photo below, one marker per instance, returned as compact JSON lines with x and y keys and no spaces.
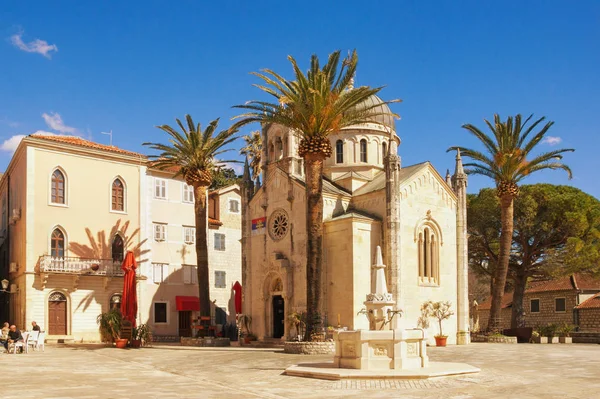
{"x":381,"y":350}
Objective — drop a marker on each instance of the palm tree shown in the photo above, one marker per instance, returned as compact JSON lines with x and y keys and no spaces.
{"x":313,"y":105}
{"x":253,"y":150}
{"x":193,"y":155}
{"x":507,"y":162}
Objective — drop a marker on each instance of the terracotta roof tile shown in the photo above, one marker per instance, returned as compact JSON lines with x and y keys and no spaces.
{"x":590,"y":303}
{"x":585,"y":281}
{"x":78,"y":141}
{"x":506,"y":302}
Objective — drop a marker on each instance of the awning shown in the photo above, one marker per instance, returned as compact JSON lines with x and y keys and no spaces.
{"x":187,"y":303}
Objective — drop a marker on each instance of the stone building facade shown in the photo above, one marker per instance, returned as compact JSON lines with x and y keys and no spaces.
{"x":551,"y":302}
{"x":588,"y":314}
{"x":370,"y":200}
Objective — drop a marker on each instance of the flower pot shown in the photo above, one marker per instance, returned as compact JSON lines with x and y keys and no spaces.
{"x":553,"y":340}
{"x":247,"y":340}
{"x":440,"y":341}
{"x":121,"y":343}
{"x":565,"y":340}
{"x":136,"y":343}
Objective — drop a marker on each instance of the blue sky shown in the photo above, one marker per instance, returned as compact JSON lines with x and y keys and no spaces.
{"x":88,"y":67}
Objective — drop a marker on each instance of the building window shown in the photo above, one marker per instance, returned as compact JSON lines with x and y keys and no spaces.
{"x":560,"y":305}
{"x":57,"y":244}
{"x":160,"y":272}
{"x":160,"y":232}
{"x":160,"y":188}
{"x":429,"y":251}
{"x":190,"y":274}
{"x":220,"y":242}
{"x":57,"y":192}
{"x":160,"y":312}
{"x":363,"y":150}
{"x":234,"y":206}
{"x":220,"y":315}
{"x":118,"y":196}
{"x":188,"y":193}
{"x":115,"y":301}
{"x":117,"y":249}
{"x":189,"y":235}
{"x":220,"y":279}
{"x":534,"y":306}
{"x":339,"y":151}
{"x":383,"y":150}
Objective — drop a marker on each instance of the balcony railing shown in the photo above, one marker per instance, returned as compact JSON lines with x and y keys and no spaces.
{"x":84,"y":266}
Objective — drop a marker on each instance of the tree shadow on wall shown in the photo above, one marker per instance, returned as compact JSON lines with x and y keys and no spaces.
{"x":100,"y":247}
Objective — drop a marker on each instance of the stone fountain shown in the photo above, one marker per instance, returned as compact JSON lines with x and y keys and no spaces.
{"x":381,"y":347}
{"x":381,"y":351}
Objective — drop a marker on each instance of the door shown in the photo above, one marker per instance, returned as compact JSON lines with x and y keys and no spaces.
{"x":278,"y":316}
{"x":57,"y":314}
{"x":185,"y":323}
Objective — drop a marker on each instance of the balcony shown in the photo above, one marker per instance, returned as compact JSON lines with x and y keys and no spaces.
{"x":79,"y":266}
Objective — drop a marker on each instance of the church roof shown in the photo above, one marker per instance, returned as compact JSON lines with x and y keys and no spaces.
{"x":355,"y":213}
{"x":329,"y":187}
{"x":378,"y":183}
{"x":353,"y":174}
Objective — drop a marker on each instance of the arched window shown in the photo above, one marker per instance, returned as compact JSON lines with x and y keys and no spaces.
{"x":117,"y":249}
{"x":115,"y":301}
{"x":118,"y":196}
{"x":57,"y":244}
{"x":278,"y":148}
{"x":363,"y":150}
{"x":339,"y":151}
{"x":57,"y":188}
{"x":383,"y":150}
{"x":429,"y":256}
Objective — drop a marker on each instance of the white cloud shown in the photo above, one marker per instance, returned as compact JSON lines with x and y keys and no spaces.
{"x":45,"y":133}
{"x":237,"y":167}
{"x":11,"y":144}
{"x":36,"y":46}
{"x":552,"y":140}
{"x":55,"y":122}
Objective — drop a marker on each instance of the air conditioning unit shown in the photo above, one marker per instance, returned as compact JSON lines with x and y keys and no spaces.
{"x":13,"y":267}
{"x":16,"y":215}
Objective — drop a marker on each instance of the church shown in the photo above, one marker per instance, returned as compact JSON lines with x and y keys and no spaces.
{"x":415,"y":215}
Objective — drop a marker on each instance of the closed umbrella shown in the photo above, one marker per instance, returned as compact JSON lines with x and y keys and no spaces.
{"x":237,"y":288}
{"x":129,"y":300}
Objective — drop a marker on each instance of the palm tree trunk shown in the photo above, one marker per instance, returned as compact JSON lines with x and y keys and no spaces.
{"x":313,"y":170}
{"x":506,"y":217}
{"x":517,"y":319}
{"x":200,"y":209}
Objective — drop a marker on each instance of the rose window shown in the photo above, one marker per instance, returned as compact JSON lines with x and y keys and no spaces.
{"x":279,"y":224}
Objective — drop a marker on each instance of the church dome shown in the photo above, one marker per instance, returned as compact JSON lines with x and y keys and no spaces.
{"x":387,"y":120}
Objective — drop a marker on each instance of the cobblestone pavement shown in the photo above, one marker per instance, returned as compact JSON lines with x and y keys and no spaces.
{"x":86,"y":371}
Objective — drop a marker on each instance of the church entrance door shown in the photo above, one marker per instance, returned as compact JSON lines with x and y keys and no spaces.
{"x":278,"y":316}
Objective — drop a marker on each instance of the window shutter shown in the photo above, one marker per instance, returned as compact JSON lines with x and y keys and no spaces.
{"x":194,"y":270}
{"x":157,"y":273}
{"x":187,"y":274}
{"x":165,"y":272}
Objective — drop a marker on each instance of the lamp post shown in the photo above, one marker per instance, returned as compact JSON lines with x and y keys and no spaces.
{"x":5,"y":283}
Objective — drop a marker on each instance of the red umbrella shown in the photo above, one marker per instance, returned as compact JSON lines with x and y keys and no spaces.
{"x":129,"y":300}
{"x":237,"y":288}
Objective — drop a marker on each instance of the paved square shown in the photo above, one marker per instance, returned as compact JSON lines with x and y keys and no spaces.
{"x":508,"y":371}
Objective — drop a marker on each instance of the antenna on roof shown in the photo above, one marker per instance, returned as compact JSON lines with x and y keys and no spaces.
{"x":108,"y":134}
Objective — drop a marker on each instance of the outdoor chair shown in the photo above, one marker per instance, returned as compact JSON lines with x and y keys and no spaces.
{"x":20,"y":344}
{"x":126,"y":330}
{"x":40,"y":342}
{"x":33,"y":339}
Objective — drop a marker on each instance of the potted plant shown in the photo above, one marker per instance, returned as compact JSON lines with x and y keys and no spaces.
{"x":565,"y":331}
{"x":140,"y":335}
{"x":552,"y":333}
{"x":540,"y":335}
{"x":110,"y":327}
{"x":441,"y":311}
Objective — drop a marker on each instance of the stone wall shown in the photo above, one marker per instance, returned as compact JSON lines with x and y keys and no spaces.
{"x":210,"y":342}
{"x":589,"y":320}
{"x":310,"y":348}
{"x":484,"y":316}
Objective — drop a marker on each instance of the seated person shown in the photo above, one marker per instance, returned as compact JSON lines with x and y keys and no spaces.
{"x":14,"y":335}
{"x":35,"y":326}
{"x":4,"y":333}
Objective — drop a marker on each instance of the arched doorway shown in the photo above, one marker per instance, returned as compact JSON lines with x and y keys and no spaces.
{"x":117,"y":249}
{"x":278,"y":316}
{"x":57,"y":314}
{"x":115,"y":301}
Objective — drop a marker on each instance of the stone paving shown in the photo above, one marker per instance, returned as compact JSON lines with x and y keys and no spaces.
{"x":86,"y":371}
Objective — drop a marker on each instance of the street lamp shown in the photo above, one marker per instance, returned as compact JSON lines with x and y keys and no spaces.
{"x":4,"y":285}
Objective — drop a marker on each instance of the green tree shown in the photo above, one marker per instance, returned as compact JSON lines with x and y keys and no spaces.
{"x":314,"y":105}
{"x":193,"y":155}
{"x":508,"y":160}
{"x":253,"y":151}
{"x":223,"y":177}
{"x":556,"y":232}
